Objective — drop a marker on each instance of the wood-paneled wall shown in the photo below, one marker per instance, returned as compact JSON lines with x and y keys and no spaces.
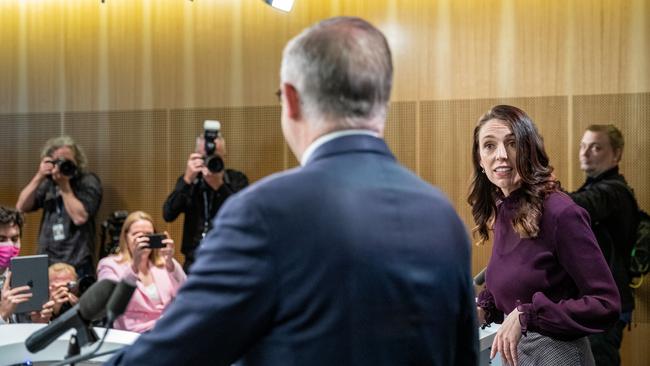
{"x":132,"y":81}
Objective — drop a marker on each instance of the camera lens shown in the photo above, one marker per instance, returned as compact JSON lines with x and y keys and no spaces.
{"x":214,"y":163}
{"x":67,"y":167}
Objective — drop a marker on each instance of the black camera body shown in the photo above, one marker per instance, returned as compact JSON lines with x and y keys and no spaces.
{"x":110,"y":235}
{"x":66,"y":167}
{"x":213,"y":161}
{"x":72,"y":285}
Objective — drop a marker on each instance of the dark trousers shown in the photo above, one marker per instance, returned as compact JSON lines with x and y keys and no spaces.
{"x":605,"y":345}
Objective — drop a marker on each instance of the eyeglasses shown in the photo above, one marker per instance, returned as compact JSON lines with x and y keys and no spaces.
{"x":278,"y":93}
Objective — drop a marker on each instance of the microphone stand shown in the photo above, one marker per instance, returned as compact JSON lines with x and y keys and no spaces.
{"x":73,"y":348}
{"x":86,"y":356}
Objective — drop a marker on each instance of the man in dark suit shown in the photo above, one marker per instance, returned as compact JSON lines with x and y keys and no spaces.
{"x":349,"y":259}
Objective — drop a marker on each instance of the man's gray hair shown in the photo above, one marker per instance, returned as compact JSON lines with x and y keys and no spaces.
{"x":56,"y":143}
{"x":343,"y":71}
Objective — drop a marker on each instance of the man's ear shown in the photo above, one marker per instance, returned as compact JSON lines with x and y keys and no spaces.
{"x":291,"y":99}
{"x":618,"y":155}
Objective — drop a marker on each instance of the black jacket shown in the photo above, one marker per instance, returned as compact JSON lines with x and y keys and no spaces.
{"x":188,"y":199}
{"x":614,"y":220}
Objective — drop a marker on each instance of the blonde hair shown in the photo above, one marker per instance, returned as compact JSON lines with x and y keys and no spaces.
{"x":61,"y":268}
{"x":124,"y":252}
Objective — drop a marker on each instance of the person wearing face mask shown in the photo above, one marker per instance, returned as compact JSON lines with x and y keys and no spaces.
{"x":11,"y":223}
{"x":547,"y":281}
{"x":612,"y":206}
{"x":156,"y":273}
{"x":70,"y":197}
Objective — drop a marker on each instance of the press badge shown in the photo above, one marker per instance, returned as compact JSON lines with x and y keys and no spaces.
{"x":57,"y":232}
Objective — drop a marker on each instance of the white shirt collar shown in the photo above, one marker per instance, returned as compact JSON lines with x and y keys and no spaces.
{"x":309,"y":151}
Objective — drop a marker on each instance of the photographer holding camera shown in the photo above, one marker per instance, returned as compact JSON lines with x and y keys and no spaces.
{"x":70,"y":197}
{"x":64,"y":287}
{"x":202,"y":189}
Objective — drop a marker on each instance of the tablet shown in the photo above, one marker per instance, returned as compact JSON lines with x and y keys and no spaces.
{"x":31,"y":270}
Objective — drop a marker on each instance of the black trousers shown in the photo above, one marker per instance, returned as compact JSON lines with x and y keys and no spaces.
{"x":605,"y":345}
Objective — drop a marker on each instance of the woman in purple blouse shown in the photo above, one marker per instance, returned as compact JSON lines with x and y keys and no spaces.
{"x":546,"y":279}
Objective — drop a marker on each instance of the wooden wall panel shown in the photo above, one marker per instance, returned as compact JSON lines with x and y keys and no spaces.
{"x":23,"y":137}
{"x":631,"y":114}
{"x":401,"y":133}
{"x":254,"y":141}
{"x":127,"y":150}
{"x":123,"y":55}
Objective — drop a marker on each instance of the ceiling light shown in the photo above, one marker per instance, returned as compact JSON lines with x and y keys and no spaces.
{"x":284,"y":5}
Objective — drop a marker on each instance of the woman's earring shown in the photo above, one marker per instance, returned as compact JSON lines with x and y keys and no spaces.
{"x":482,"y":170}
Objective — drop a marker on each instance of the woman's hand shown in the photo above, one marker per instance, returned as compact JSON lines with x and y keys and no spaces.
{"x":11,"y":297}
{"x":168,"y":252}
{"x":507,"y":339}
{"x":141,"y":252}
{"x":44,"y":315}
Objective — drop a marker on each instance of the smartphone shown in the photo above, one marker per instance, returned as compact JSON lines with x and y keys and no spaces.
{"x":155,"y":240}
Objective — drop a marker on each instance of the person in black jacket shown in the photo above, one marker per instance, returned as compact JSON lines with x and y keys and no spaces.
{"x":613,"y":210}
{"x":199,"y":194}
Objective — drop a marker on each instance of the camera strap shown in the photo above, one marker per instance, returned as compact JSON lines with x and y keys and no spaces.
{"x":206,"y":210}
{"x":58,"y":232}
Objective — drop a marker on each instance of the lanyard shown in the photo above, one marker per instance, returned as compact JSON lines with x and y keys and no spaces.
{"x":206,"y":210}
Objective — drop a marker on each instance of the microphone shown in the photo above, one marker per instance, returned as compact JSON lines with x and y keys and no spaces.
{"x":115,"y":307}
{"x":118,"y":301}
{"x":91,"y":306}
{"x":479,"y":279}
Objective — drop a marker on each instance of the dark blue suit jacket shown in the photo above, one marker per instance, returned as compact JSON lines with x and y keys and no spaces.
{"x":349,"y":260}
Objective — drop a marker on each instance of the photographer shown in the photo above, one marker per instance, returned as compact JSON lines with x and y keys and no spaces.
{"x":147,"y":263}
{"x":200,"y":192}
{"x":70,"y":197}
{"x":64,"y":288}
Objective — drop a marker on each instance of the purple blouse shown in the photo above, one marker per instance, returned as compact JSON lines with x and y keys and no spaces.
{"x":559,"y":280}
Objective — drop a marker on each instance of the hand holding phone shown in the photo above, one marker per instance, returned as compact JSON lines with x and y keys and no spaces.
{"x":155,"y":240}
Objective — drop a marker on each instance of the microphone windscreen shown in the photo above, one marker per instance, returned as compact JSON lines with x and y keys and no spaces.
{"x":119,"y":300}
{"x":92,"y":304}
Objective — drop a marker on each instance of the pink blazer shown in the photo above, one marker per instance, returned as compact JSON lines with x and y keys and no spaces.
{"x":141,"y":314}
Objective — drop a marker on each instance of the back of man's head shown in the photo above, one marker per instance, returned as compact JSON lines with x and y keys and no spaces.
{"x":343,"y":71}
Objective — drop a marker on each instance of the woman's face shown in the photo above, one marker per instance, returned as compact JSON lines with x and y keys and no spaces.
{"x":498,"y":152}
{"x":136,"y":230}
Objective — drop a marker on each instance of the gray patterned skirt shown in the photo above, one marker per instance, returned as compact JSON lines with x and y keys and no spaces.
{"x":536,"y":349}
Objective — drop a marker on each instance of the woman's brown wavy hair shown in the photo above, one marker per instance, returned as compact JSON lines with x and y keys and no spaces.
{"x":537,"y":179}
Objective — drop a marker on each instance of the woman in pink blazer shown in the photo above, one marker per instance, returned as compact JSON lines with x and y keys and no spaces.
{"x":155,"y":271}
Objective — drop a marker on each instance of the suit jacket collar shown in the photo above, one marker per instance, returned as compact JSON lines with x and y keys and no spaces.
{"x":349,"y":144}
